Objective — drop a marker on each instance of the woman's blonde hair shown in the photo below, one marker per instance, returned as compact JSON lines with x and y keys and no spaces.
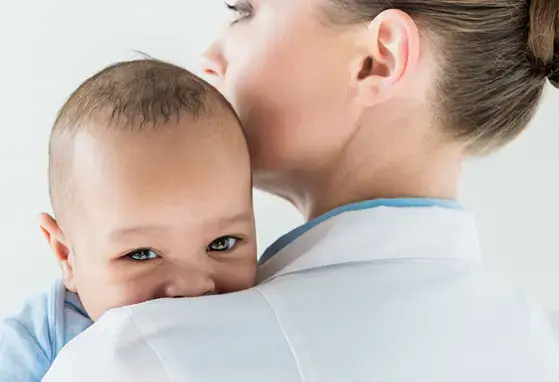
{"x":494,"y":59}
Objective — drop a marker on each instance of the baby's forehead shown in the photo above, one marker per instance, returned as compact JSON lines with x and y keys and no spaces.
{"x":195,"y":158}
{"x":212,"y":135}
{"x":182,"y":155}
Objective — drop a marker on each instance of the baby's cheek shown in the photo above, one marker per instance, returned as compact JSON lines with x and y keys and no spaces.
{"x":101,"y":298}
{"x":132,"y":292}
{"x":230,"y":279}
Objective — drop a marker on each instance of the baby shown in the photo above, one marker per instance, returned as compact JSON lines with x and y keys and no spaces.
{"x":151,"y":188}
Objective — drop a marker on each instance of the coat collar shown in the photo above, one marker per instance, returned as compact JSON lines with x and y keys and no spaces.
{"x":375,"y":231}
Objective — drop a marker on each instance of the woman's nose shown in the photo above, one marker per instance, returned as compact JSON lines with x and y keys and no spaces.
{"x":213,"y":63}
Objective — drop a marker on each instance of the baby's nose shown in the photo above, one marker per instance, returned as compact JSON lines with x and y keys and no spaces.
{"x":191,"y":284}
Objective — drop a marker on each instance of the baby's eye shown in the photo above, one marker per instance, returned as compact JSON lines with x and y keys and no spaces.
{"x":223,"y":244}
{"x":143,"y":255}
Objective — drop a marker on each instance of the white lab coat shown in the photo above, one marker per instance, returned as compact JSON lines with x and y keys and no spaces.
{"x":384,"y":295}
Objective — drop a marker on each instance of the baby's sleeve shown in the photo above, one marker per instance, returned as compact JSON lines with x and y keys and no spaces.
{"x":25,"y":343}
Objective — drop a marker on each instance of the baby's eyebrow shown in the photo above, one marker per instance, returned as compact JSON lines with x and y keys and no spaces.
{"x":219,"y":223}
{"x":226,"y":221}
{"x":137,"y":231}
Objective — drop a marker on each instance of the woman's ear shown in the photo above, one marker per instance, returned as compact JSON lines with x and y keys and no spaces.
{"x":391,"y":52}
{"x":55,"y":238}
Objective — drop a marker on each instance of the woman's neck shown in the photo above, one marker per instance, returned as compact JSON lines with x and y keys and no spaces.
{"x":410,"y":181}
{"x":430,"y":174}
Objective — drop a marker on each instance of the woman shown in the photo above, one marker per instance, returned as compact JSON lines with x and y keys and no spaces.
{"x":385,"y":107}
{"x":361,"y":114}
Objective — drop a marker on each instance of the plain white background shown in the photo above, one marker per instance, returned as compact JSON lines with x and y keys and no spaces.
{"x":49,"y":47}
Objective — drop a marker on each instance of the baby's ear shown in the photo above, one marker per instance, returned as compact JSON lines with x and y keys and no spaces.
{"x":55,"y":238}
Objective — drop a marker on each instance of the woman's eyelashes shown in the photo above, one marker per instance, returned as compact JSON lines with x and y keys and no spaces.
{"x":243,"y":10}
{"x":142,"y":254}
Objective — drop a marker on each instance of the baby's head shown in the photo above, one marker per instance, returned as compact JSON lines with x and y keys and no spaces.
{"x":151,"y":188}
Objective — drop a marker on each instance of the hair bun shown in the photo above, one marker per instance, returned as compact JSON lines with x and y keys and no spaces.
{"x":543,"y":38}
{"x":553,"y":74}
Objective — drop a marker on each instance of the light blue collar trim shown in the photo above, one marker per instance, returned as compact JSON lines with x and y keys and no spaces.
{"x":288,"y":238}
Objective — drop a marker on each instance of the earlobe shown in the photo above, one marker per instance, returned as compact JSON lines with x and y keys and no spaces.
{"x":391,"y":53}
{"x":55,"y":238}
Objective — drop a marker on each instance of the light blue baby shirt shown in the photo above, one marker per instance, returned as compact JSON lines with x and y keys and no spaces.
{"x":31,"y":340}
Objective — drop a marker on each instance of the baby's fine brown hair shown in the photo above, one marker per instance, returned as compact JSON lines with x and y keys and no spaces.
{"x":133,"y":96}
{"x":494,"y":59}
